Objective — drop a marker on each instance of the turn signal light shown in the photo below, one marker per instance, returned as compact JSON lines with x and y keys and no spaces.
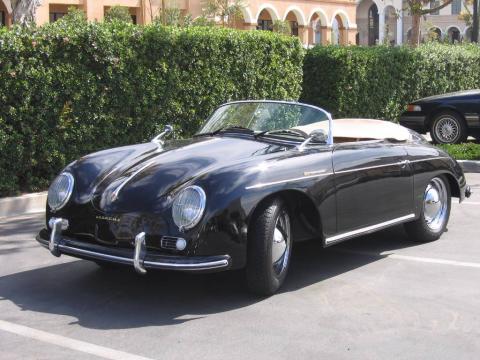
{"x":414,"y":107}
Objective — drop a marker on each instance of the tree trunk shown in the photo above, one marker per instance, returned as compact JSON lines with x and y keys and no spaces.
{"x":415,"y":36}
{"x":25,"y":10}
{"x":475,"y":22}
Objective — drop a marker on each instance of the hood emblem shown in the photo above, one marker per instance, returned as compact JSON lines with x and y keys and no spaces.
{"x":108,"y":218}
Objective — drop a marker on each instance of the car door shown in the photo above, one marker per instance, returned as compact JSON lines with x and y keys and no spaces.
{"x":374,"y":186}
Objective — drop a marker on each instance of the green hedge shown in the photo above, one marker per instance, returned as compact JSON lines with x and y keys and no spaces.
{"x":71,"y":88}
{"x":378,"y":82}
{"x":467,"y":151}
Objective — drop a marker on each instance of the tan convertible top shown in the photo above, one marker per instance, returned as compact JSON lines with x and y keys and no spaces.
{"x":361,"y":129}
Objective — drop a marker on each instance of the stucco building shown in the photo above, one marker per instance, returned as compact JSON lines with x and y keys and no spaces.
{"x":388,"y":21}
{"x":364,"y":22}
{"x":313,"y":21}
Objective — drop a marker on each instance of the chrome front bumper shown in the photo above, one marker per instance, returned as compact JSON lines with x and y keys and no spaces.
{"x":139,"y":257}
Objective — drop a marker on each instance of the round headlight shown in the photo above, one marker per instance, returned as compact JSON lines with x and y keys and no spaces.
{"x":188,"y":207}
{"x":60,"y":191}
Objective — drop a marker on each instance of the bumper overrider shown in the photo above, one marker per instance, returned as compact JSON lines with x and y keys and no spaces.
{"x":138,"y":257}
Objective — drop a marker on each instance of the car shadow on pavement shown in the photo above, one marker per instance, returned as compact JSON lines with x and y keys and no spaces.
{"x":117,"y":298}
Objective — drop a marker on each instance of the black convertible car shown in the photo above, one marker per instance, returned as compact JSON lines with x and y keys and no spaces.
{"x":257,"y":177}
{"x":449,"y":118}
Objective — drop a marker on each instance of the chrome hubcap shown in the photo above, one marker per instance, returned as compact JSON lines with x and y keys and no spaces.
{"x":446,"y":129}
{"x":281,"y":243}
{"x":435,"y":204}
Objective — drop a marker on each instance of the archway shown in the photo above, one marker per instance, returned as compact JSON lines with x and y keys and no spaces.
{"x":317,"y":32}
{"x":339,"y":28}
{"x":5,"y":12}
{"x":293,"y":21}
{"x":367,"y":19}
{"x":265,"y":20}
{"x":453,"y":35}
{"x":434,"y":34}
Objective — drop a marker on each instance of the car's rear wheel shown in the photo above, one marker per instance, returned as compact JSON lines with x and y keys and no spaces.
{"x":448,"y":128}
{"x":435,"y":212}
{"x":269,"y":247}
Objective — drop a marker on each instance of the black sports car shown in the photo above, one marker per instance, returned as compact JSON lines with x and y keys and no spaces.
{"x":258,"y":176}
{"x":450,"y":118}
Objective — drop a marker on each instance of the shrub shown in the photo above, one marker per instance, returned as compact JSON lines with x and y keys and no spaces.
{"x":466,"y":151}
{"x":70,"y":88}
{"x":118,"y":13}
{"x":378,"y":82}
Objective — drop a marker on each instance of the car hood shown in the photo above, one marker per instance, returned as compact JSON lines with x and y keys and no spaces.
{"x":141,"y":177}
{"x":464,"y":93}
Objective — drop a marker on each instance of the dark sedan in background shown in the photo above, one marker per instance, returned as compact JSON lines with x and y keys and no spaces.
{"x":450,"y":118}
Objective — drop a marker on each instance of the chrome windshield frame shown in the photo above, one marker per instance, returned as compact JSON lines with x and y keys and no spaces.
{"x":329,"y":116}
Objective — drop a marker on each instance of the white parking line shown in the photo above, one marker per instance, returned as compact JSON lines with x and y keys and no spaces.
{"x":470,"y":203}
{"x":434,"y":261}
{"x":68,"y":343}
{"x":414,"y":258}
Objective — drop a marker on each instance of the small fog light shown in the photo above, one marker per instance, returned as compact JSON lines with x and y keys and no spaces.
{"x":181,"y":244}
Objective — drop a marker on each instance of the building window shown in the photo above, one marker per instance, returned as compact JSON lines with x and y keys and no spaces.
{"x":373,"y":25}
{"x":265,"y":25}
{"x":54,"y":16}
{"x":294,"y":28}
{"x":317,"y":26}
{"x":456,"y":7}
{"x":3,"y":18}
{"x":134,"y":19}
{"x":433,"y":5}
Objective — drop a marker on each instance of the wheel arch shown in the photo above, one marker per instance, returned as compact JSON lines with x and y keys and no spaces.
{"x":444,"y":108}
{"x":453,"y":184}
{"x":307,"y":221}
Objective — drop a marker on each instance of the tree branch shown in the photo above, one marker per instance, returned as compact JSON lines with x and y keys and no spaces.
{"x":429,"y":11}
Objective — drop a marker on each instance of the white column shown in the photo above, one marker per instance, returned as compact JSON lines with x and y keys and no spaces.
{"x":400,"y":29}
{"x":381,"y":26}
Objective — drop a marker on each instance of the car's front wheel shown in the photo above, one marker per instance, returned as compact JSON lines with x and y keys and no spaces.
{"x":269,"y":247}
{"x":448,"y":128}
{"x":435,"y":212}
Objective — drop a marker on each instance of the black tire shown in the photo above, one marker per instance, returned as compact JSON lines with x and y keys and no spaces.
{"x":460,"y":130}
{"x":261,"y":272}
{"x":419,"y":230}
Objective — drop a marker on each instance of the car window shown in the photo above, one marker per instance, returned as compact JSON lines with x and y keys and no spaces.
{"x":263,"y":116}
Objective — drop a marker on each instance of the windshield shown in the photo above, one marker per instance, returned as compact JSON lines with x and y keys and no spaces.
{"x":266,"y":116}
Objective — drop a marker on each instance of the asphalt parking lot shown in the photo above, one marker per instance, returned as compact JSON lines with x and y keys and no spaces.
{"x":375,"y":297}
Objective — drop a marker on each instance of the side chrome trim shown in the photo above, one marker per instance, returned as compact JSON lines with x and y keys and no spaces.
{"x":400,"y":163}
{"x":432,"y":158}
{"x":261,"y":185}
{"x":368,"y":229}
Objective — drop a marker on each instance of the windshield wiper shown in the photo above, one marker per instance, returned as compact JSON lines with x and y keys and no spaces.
{"x":295,"y":132}
{"x":237,"y":129}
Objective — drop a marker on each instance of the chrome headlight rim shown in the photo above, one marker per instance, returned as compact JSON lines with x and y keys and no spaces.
{"x":198,"y":216}
{"x":69,"y":191}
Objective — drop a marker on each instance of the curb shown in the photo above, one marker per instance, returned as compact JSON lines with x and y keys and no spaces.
{"x":470,"y":166}
{"x":25,"y":204}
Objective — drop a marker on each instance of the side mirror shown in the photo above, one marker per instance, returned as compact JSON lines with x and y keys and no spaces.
{"x":166,"y":131}
{"x":318,"y":136}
